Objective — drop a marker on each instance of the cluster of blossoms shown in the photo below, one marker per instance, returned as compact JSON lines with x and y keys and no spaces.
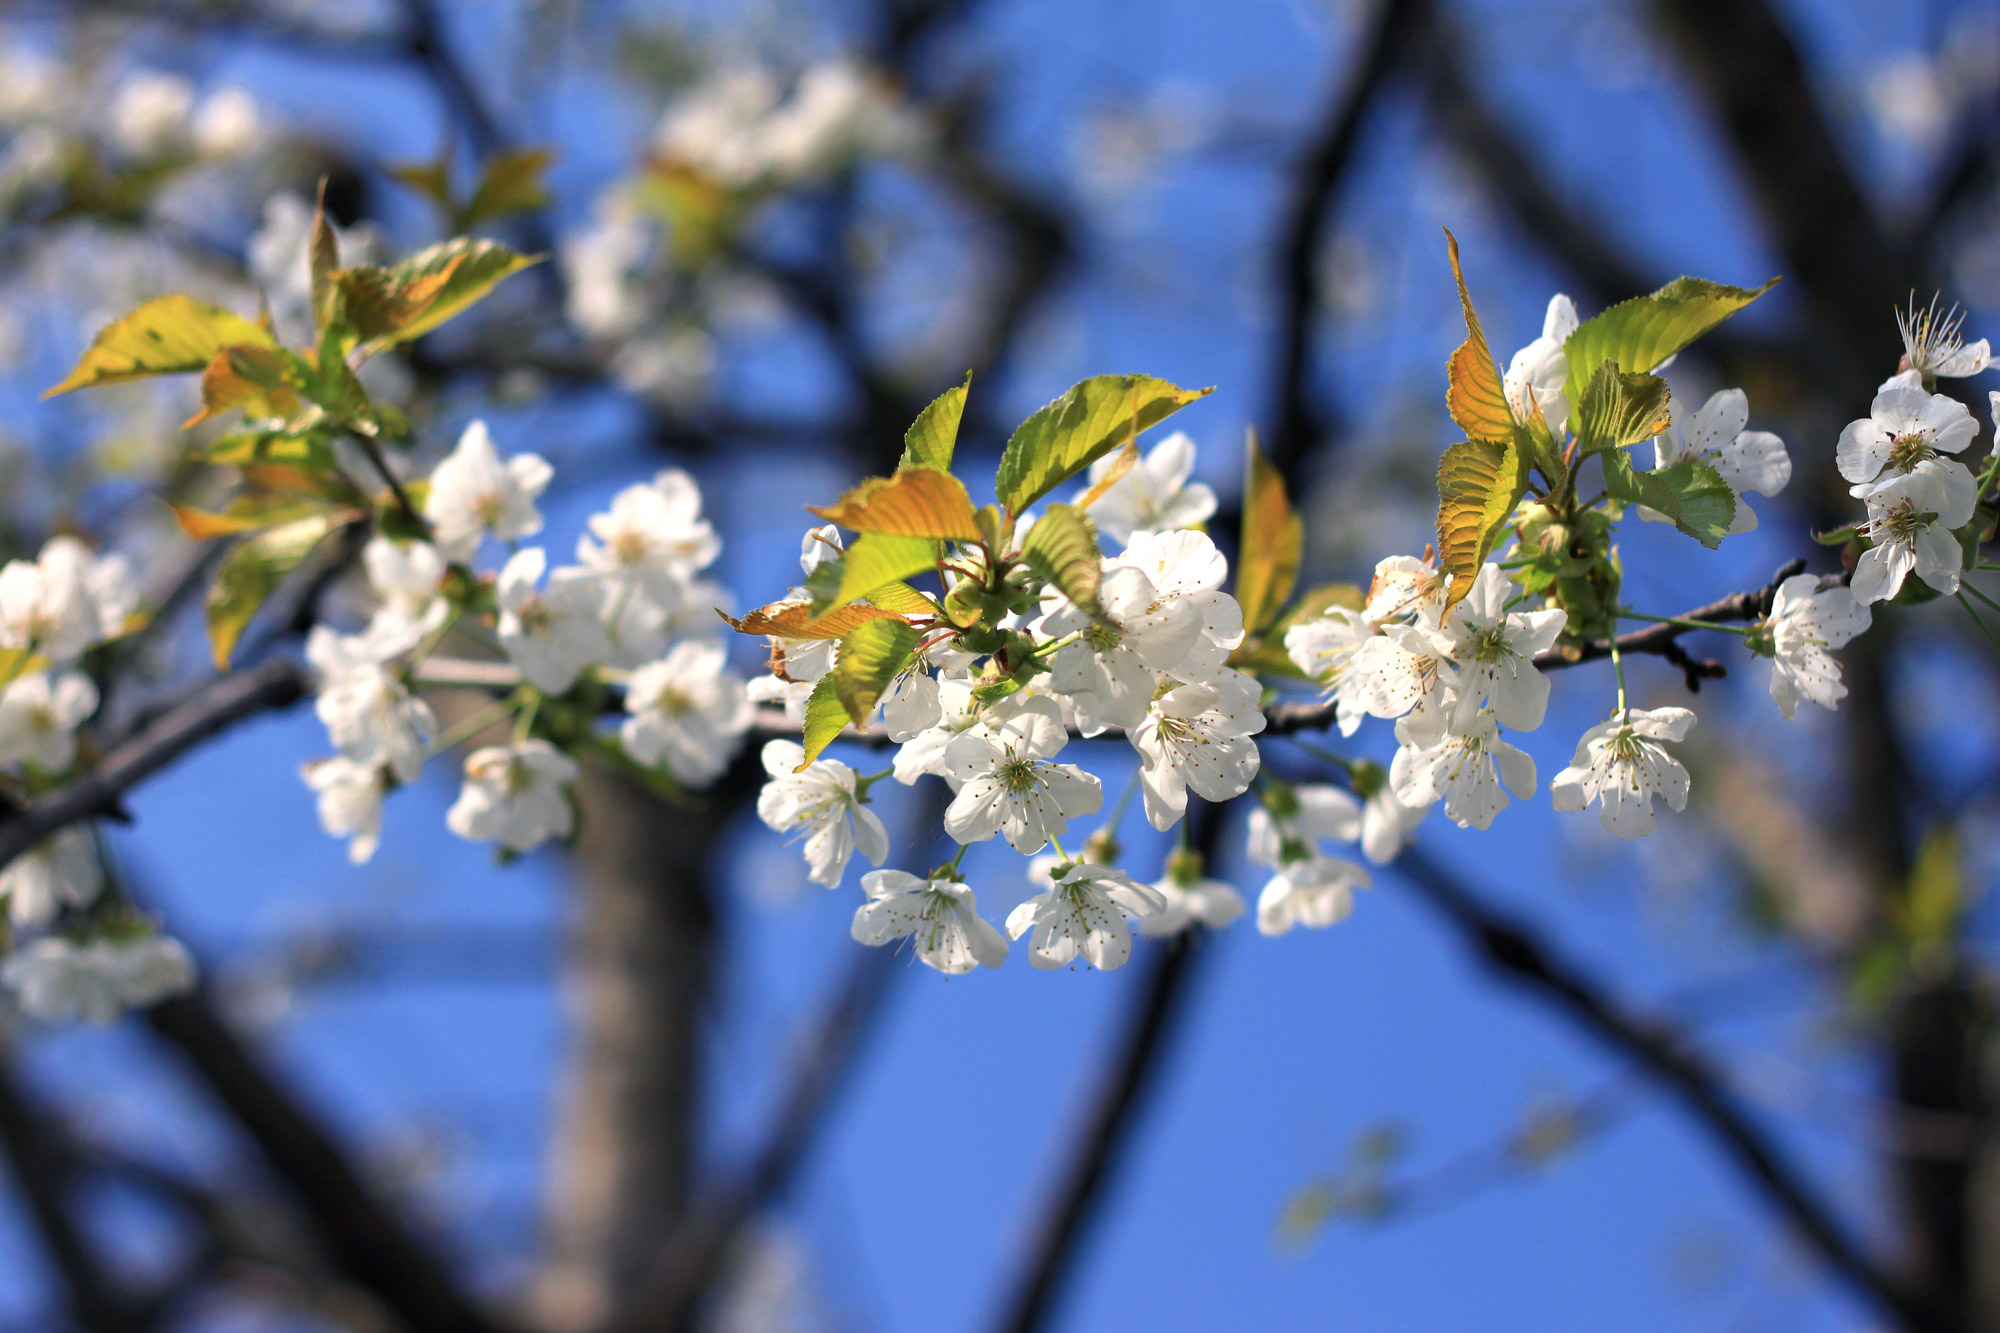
{"x":74,"y":948}
{"x":638,"y":280}
{"x":633,"y":611}
{"x":1107,"y":616}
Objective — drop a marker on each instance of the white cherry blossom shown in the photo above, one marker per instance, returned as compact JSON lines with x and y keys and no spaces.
{"x":1910,"y":519}
{"x":939,"y":916}
{"x":1108,"y":673}
{"x":1190,"y":900}
{"x":473,"y":493}
{"x":1006,"y":784}
{"x":910,"y":706}
{"x":1187,"y":565}
{"x":924,"y":752}
{"x":516,"y":795}
{"x":1325,"y":648}
{"x":1466,"y":768}
{"x":1386,"y":823}
{"x":1806,"y":623}
{"x":1291,"y":821}
{"x":553,"y":635}
{"x":65,"y":601}
{"x":61,"y":871}
{"x":368,"y":711}
{"x":1536,"y":375}
{"x":654,"y":533}
{"x":1622,"y":765}
{"x":1933,"y":347}
{"x":1155,"y":496}
{"x":409,"y":578}
{"x":39,"y":715}
{"x":1405,"y":670}
{"x":1495,"y":649}
{"x":350,"y":802}
{"x":55,"y":979}
{"x":822,"y":804}
{"x":1908,"y":430}
{"x":688,"y":712}
{"x":1315,"y":891}
{"x":1198,"y":736}
{"x":1083,"y":915}
{"x":1404,"y":586}
{"x":1748,"y":460}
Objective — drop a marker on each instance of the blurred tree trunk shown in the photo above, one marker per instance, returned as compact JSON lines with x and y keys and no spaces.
{"x":638,"y":978}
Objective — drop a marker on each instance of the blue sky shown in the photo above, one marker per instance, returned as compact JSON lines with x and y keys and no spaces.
{"x":912,"y":1215}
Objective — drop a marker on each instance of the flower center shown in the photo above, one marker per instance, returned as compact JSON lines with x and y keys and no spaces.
{"x":1102,"y":636}
{"x":1910,"y":450}
{"x":1491,"y":645}
{"x":628,"y":548}
{"x":537,"y":616}
{"x":673,"y":702}
{"x":491,"y":507}
{"x":1902,"y":523}
{"x":1017,"y":776}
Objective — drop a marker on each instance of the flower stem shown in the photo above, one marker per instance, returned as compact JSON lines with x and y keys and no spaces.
{"x":862,"y":782}
{"x":1618,"y":665}
{"x":1056,"y":843}
{"x":963,"y":848}
{"x":381,"y":466}
{"x":1344,"y":765}
{"x":1055,"y":645}
{"x":1983,"y":629}
{"x":524,"y":722}
{"x":1967,"y":587}
{"x":469,"y":727}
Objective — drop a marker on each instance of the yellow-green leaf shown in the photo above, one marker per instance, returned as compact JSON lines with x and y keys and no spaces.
{"x":877,"y":558}
{"x":1620,"y":408}
{"x":1692,"y":494}
{"x":1476,"y":396}
{"x":934,"y":434}
{"x":470,"y":266}
{"x":1641,"y":333}
{"x":1478,"y":486}
{"x":1062,"y":549}
{"x":254,"y":567}
{"x":265,"y":382}
{"x":512,"y":184}
{"x":826,"y":717}
{"x":903,"y":600}
{"x":869,"y":658}
{"x":916,"y":502}
{"x":1273,"y":539}
{"x":795,"y":620}
{"x":169,"y":335}
{"x":323,"y":264}
{"x":1069,"y":434}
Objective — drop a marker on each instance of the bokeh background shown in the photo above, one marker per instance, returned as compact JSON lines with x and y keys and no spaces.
{"x":1356,"y":1128}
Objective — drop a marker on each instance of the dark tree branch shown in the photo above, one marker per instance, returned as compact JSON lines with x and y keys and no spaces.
{"x":216,"y":708}
{"x":359,"y":1232}
{"x":1667,"y":1055}
{"x":1298,"y":423}
{"x":43,"y":1169}
{"x":699,"y":1249}
{"x":1104,"y":1132}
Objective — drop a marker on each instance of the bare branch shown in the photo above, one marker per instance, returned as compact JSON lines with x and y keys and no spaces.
{"x":220,"y":705}
{"x":359,"y":1232}
{"x":1297,"y":423}
{"x":1666,"y":1055}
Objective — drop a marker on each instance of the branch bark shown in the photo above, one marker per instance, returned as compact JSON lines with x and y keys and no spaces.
{"x":357,"y":1230}
{"x":1670,"y":1058}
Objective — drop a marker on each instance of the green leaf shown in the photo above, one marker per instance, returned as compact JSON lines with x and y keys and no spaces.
{"x":1641,"y":333}
{"x":903,"y":600}
{"x":916,"y":502}
{"x":826,"y":717}
{"x":1620,"y":408}
{"x":1273,"y":539}
{"x":1478,"y":486}
{"x":1092,"y":419}
{"x":870,"y":656}
{"x":934,"y":434}
{"x":254,"y":567}
{"x":877,"y":558}
{"x":1692,"y":494}
{"x":323,"y":264}
{"x":1062,"y":548}
{"x":169,"y":335}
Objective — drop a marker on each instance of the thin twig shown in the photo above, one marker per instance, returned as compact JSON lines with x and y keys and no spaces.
{"x":1665,"y":1053}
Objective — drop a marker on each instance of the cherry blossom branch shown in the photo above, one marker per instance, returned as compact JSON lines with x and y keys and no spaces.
{"x":214,"y":709}
{"x":1667,"y":1055}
